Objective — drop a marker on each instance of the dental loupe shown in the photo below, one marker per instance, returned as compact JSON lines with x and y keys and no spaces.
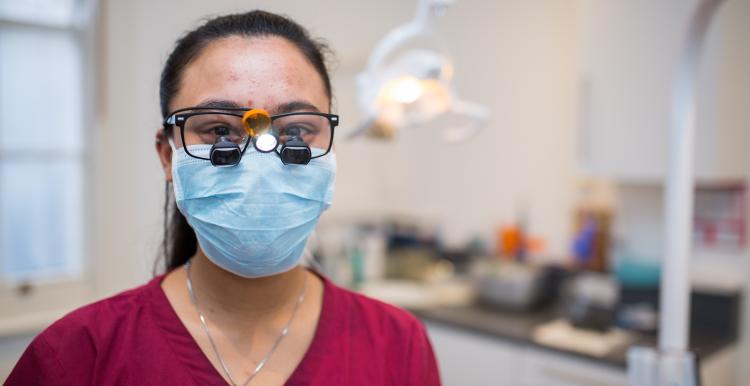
{"x":225,"y":152}
{"x":258,"y":124}
{"x":295,"y":151}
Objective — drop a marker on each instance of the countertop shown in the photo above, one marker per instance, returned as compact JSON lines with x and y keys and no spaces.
{"x":518,"y":327}
{"x":453,"y":305}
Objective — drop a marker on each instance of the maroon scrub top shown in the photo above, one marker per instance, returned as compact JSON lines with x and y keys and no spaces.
{"x":136,"y":338}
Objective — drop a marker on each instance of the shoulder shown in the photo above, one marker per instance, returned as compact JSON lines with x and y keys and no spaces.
{"x":105,"y":323}
{"x":68,"y":349}
{"x":379,"y":317}
{"x":387,"y":338}
{"x":101,"y":319}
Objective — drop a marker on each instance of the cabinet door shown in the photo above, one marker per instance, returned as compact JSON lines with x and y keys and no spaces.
{"x":546,"y":368}
{"x":629,"y":53}
{"x":470,"y":359}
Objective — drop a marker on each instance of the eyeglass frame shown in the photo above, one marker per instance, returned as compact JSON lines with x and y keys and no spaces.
{"x":178,"y":118}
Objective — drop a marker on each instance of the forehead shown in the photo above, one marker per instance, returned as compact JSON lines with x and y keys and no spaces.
{"x":263,"y":72}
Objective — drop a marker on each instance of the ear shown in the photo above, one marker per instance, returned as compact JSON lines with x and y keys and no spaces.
{"x":165,"y":153}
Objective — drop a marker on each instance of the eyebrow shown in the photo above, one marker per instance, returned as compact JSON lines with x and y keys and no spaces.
{"x":295,"y":106}
{"x":218,"y":104}
{"x":283,"y":108}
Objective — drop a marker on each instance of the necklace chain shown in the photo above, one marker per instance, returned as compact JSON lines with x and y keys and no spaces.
{"x":262,"y":363}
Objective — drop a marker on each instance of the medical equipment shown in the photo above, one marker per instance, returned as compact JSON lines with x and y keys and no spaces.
{"x":672,"y":364}
{"x":408,"y":84}
{"x":295,"y":150}
{"x":224,"y":152}
{"x":258,"y":125}
{"x":296,"y":137}
{"x":252,"y":219}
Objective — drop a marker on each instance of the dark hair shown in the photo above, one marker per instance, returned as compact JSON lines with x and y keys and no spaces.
{"x":179,"y":238}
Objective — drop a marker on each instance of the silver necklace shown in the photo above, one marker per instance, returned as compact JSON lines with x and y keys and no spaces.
{"x":262,"y":363}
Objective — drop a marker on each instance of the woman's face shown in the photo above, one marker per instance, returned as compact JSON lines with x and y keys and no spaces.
{"x":260,"y":72}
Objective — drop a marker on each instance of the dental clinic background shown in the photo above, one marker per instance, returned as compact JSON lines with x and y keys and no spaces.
{"x":82,"y":193}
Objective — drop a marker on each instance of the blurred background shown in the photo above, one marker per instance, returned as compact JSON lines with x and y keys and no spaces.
{"x":531,"y":248}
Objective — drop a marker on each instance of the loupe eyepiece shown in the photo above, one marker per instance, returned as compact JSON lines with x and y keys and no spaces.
{"x":295,"y":151}
{"x":225,"y":153}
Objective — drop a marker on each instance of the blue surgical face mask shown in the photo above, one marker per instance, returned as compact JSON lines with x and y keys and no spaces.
{"x":252,"y":219}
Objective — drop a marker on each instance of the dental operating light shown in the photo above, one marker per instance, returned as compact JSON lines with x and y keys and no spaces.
{"x":407,"y":84}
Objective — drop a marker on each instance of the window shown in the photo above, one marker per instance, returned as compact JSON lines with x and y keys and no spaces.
{"x":45,"y":94}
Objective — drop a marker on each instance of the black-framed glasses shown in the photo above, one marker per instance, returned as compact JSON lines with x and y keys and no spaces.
{"x":310,"y":131}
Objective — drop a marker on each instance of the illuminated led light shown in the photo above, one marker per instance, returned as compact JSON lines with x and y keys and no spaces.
{"x":266,"y":142}
{"x":406,"y":89}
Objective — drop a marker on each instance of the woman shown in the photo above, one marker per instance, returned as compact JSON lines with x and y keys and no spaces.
{"x":236,"y":307}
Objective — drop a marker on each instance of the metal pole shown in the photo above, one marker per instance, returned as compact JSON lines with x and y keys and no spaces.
{"x":675,"y":285}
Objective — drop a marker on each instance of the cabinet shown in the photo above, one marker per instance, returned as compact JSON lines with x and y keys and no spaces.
{"x":545,"y":368}
{"x":471,"y":359}
{"x":628,"y":54}
{"x":467,"y":358}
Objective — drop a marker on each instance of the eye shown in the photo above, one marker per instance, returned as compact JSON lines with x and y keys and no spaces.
{"x":230,"y":132}
{"x":222,"y":131}
{"x":297,"y":130}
